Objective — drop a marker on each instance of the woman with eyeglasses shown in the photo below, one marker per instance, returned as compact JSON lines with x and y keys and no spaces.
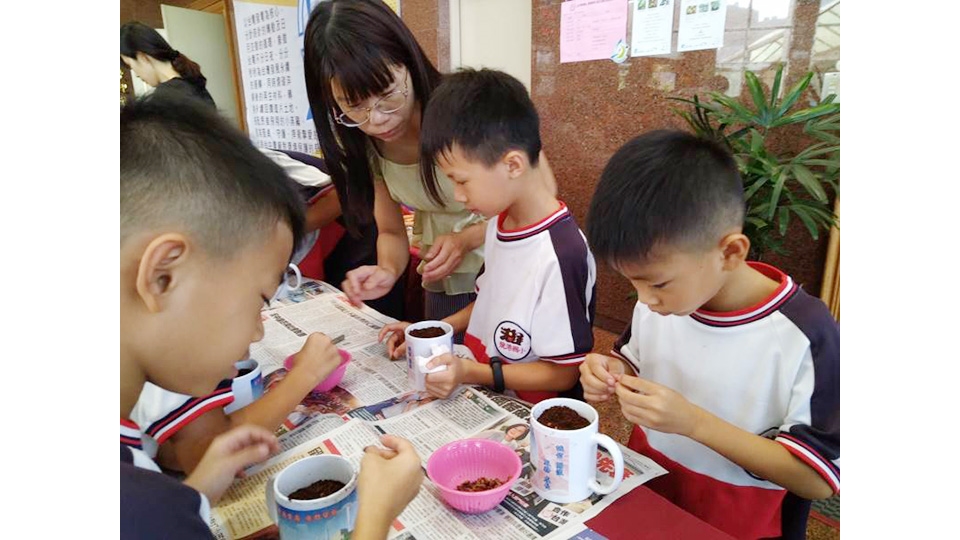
{"x":368,"y":81}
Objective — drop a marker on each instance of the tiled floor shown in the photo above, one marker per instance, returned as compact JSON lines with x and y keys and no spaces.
{"x":616,"y":426}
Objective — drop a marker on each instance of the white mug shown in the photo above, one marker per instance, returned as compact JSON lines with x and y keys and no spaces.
{"x":248,"y":388}
{"x":326,"y":518}
{"x":292,"y":280}
{"x":565,"y":461}
{"x":423,"y":347}
{"x":421,"y":370}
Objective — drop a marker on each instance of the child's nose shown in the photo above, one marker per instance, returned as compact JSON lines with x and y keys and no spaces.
{"x":646,"y":297}
{"x":459,"y":194}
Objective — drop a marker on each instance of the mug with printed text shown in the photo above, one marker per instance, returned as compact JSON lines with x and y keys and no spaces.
{"x":564,"y":460}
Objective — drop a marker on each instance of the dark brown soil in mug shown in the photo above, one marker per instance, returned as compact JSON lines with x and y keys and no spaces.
{"x":428,"y":332}
{"x":560,"y":417}
{"x":316,"y":490}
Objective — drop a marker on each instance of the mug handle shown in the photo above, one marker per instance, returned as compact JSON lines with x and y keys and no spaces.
{"x":611,"y":446}
{"x":296,"y":272}
{"x":272,"y":500}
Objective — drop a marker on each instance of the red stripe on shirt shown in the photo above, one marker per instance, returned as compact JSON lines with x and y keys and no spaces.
{"x":741,"y":511}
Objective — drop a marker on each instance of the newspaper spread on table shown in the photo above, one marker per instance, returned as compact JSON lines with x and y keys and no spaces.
{"x":375,"y":398}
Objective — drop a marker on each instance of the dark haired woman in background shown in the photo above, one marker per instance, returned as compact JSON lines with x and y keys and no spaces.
{"x":368,"y":81}
{"x":158,"y":64}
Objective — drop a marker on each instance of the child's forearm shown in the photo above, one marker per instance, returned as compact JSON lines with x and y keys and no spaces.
{"x":461,"y":319}
{"x":272,"y":409}
{"x":761,"y":456}
{"x":542,"y":376}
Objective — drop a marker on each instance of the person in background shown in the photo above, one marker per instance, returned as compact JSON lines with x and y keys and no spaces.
{"x":369,"y":81}
{"x":159,"y":65}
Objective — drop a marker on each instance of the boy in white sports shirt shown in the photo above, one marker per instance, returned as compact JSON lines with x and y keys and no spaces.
{"x":730,"y":371}
{"x":531,"y":324}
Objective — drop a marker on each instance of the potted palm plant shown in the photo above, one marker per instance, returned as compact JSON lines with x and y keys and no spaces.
{"x":777,"y":185}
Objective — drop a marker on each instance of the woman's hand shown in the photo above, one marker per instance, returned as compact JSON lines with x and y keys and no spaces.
{"x":367,"y":283}
{"x":444,"y":257}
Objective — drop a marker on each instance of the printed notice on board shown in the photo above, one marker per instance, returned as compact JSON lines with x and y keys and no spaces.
{"x":701,"y":24}
{"x":591,"y":29}
{"x":274,"y":91}
{"x":652,"y":27}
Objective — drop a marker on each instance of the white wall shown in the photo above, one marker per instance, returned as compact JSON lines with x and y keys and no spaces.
{"x":203,"y":38}
{"x":496,"y":34}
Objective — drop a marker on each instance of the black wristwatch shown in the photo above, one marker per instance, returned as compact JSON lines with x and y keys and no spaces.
{"x":496,"y":364}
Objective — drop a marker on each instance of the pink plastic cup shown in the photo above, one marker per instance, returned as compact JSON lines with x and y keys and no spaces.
{"x":470,"y":459}
{"x":334,"y":378}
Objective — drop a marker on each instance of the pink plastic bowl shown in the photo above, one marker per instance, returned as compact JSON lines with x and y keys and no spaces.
{"x":334,"y":378}
{"x":467,"y":460}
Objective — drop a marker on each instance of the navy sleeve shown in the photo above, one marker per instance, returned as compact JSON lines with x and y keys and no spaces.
{"x":155,"y":506}
{"x":817,"y":442}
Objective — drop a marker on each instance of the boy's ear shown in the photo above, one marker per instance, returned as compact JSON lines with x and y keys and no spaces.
{"x":160,"y":269}
{"x":516,"y":162}
{"x":735,"y":247}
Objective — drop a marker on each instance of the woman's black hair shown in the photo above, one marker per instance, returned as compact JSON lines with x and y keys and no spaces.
{"x":137,"y":37}
{"x":356,"y":42}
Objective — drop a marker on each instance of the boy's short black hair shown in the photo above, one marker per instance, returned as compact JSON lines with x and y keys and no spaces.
{"x":485,"y":113}
{"x":664,"y":188}
{"x":184,"y":166}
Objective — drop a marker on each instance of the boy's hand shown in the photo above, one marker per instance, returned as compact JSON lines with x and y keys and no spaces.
{"x":598,"y":376}
{"x":389,"y":479}
{"x":444,"y":257}
{"x":442,"y":383}
{"x":656,"y":407}
{"x":227,"y":456}
{"x":317,"y":358}
{"x":396,"y":339}
{"x":367,"y":283}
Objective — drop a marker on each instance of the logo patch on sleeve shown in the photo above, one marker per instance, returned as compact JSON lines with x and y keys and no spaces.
{"x":513,"y":342}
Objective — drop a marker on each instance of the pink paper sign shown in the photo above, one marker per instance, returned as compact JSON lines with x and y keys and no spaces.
{"x":591,"y":29}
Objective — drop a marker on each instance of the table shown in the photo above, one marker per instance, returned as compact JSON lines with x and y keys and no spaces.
{"x":350,"y":411}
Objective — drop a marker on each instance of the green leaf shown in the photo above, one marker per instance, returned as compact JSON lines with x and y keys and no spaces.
{"x":781,"y":179}
{"x":807,"y":221}
{"x":752,"y":190}
{"x":806,"y":114}
{"x":775,"y":90}
{"x":756,"y":222}
{"x":794,"y":94}
{"x":756,"y":91}
{"x":741,"y":113}
{"x":756,"y":141}
{"x":810,"y":182}
{"x":784,"y":216}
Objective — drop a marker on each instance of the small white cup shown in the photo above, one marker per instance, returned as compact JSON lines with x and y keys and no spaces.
{"x":423,"y":347}
{"x":247,"y":388}
{"x":565,"y":461}
{"x":326,"y":518}
{"x":292,"y":280}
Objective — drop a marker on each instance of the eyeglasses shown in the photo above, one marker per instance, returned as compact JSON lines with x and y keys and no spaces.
{"x":389,"y":103}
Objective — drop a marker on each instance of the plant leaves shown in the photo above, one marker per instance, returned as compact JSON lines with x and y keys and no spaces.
{"x":760,"y":100}
{"x":807,"y":221}
{"x":784,"y":216}
{"x":794,"y":94}
{"x":810,"y":182}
